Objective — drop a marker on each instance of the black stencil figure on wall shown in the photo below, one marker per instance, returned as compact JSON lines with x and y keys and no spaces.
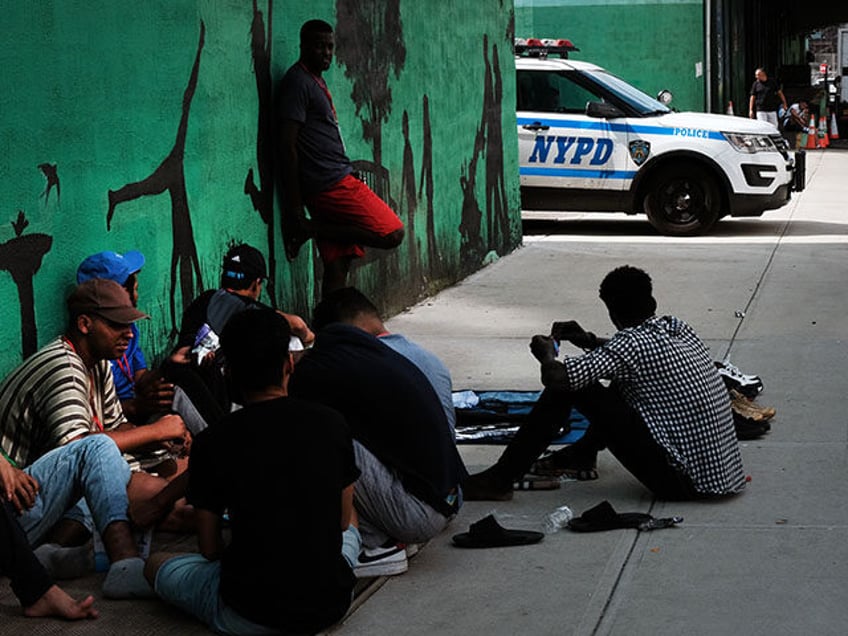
{"x":50,"y":172}
{"x":426,"y":191}
{"x":497,"y":214}
{"x":370,"y":45}
{"x":488,"y":144}
{"x":21,"y":256}
{"x":262,"y":196}
{"x":409,"y":200}
{"x":170,"y":176}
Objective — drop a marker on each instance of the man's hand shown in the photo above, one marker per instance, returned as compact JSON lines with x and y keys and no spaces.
{"x":18,"y":488}
{"x":572,"y":332}
{"x":299,"y":328}
{"x":153,"y":394}
{"x":181,"y":355}
{"x":543,"y":348}
{"x":170,"y":429}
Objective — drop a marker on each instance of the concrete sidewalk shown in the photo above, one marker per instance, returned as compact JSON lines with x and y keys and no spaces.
{"x":768,"y":292}
{"x":772,"y":561}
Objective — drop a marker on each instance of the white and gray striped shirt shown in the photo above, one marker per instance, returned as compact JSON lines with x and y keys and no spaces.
{"x":52,"y":398}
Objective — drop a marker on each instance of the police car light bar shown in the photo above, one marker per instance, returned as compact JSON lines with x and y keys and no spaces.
{"x":538,"y":47}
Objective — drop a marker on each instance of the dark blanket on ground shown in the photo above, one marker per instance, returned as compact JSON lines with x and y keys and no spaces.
{"x":493,"y":417}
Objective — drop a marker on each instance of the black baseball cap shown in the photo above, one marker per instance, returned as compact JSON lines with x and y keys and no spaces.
{"x":244,"y":262}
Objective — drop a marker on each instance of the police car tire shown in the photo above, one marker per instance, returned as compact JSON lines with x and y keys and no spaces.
{"x":665,"y":206}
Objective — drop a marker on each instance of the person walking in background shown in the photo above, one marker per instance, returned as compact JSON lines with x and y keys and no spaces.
{"x":765,"y":99}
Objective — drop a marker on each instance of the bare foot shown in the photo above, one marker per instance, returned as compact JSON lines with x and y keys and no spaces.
{"x":56,"y":602}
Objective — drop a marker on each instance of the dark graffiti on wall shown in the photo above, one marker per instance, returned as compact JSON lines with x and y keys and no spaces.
{"x":21,"y":257}
{"x":170,"y":176}
{"x":262,"y":196}
{"x":52,"y":175}
{"x":409,"y":202}
{"x":426,"y":190}
{"x":488,"y":144}
{"x":370,"y":45}
{"x":369,"y":40}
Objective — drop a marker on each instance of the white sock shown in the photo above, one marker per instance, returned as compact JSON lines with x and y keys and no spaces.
{"x":65,"y":562}
{"x":125,"y":579}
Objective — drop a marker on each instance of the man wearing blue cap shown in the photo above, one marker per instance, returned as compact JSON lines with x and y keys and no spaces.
{"x":141,"y":392}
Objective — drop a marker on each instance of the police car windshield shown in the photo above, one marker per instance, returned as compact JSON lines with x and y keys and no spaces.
{"x":642,"y":103}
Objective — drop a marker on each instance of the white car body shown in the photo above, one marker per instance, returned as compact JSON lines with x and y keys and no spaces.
{"x":588,"y":141}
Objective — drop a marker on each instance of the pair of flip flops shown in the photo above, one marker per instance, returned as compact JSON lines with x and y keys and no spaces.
{"x":604,"y":517}
{"x":488,"y":533}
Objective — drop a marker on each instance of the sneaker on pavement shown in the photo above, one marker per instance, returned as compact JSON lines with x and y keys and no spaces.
{"x":383,"y":561}
{"x":411,"y":549}
{"x":747,"y":385}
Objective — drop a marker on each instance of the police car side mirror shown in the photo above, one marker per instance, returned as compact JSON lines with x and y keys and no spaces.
{"x":664,"y":97}
{"x":603,"y":110}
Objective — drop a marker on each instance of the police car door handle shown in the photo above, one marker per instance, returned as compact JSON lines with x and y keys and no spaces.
{"x":536,"y":125}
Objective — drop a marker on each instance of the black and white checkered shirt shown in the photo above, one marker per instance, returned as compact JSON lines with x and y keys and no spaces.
{"x":666,"y":374}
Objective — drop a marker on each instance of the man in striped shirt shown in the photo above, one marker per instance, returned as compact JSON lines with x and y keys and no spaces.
{"x":665,"y":415}
{"x":65,"y":392}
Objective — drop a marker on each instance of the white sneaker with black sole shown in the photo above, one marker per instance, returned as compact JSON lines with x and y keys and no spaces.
{"x":383,"y":561}
{"x":747,"y":384}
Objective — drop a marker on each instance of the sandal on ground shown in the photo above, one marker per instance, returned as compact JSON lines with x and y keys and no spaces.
{"x":536,"y":482}
{"x":548,"y":466}
{"x":604,"y":517}
{"x":488,"y":533}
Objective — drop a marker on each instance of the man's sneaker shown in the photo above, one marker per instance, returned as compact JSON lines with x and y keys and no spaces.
{"x":387,"y":560}
{"x":747,"y":385}
{"x":411,"y":549}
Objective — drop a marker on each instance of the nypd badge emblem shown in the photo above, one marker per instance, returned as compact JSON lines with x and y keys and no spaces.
{"x":639,"y":151}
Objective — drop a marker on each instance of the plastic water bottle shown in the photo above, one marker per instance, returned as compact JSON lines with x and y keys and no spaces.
{"x":557,"y":520}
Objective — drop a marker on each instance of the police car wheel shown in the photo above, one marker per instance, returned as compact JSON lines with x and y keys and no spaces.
{"x":682,"y":201}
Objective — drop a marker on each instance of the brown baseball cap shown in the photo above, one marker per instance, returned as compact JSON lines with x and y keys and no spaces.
{"x":104,"y":298}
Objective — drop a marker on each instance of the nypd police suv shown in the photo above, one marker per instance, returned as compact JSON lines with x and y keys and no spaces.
{"x":589,"y":141}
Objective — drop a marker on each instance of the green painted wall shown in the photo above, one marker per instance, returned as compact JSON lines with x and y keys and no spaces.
{"x":653,"y":44}
{"x":127,"y":97}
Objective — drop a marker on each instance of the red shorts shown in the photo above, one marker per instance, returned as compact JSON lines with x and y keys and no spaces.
{"x":351,"y":202}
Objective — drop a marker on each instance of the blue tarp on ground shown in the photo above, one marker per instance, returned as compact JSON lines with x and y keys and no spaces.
{"x":493,"y":417}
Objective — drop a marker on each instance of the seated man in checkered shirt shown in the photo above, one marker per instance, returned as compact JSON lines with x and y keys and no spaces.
{"x":665,"y":414}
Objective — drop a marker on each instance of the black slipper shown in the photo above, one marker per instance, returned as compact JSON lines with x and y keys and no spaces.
{"x":604,"y":517}
{"x":537,"y":482}
{"x":488,"y":533}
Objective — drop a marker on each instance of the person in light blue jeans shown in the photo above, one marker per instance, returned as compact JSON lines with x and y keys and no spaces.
{"x":59,"y":484}
{"x":192,"y":583}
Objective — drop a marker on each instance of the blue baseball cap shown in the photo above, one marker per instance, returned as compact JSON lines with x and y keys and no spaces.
{"x":110,"y":265}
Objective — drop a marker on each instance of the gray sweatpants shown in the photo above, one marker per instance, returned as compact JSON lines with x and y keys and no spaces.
{"x":386,"y":510}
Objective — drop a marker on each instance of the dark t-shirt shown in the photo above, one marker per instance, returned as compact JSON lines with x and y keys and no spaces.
{"x":283,"y":567}
{"x":390,"y":406}
{"x":197,"y":313}
{"x":305,"y":98}
{"x":765,"y":95}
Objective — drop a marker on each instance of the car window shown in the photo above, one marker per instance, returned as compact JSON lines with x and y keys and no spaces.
{"x":547,"y":92}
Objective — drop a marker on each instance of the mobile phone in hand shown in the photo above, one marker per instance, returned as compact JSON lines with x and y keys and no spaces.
{"x":566,"y":330}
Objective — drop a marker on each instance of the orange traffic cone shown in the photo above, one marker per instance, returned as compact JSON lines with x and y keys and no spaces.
{"x":730,"y":108}
{"x":834,"y":129}
{"x":824,"y":142}
{"x":812,"y":137}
